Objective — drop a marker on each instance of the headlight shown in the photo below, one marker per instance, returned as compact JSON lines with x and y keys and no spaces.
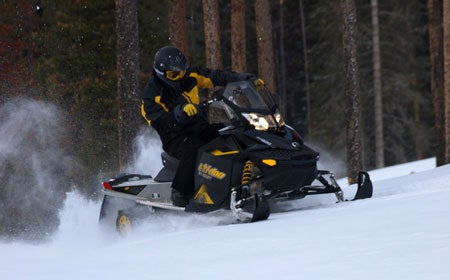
{"x":260,"y":122}
{"x":279,"y":118}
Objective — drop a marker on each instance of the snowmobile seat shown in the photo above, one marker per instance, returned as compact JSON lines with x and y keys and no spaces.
{"x":169,"y":161}
{"x":167,"y":173}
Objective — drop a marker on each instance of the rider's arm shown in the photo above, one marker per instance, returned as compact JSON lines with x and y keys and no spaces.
{"x":153,"y":110}
{"x":209,"y":78}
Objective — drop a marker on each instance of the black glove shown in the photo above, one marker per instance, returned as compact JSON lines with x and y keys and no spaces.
{"x":183,"y":112}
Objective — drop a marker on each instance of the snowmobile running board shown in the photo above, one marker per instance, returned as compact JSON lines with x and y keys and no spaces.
{"x":143,"y":201}
{"x":159,"y":204}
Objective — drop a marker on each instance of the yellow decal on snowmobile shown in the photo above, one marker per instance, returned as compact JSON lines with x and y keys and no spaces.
{"x":270,"y":162}
{"x":202,"y":195}
{"x":207,"y":171}
{"x":220,"y":153}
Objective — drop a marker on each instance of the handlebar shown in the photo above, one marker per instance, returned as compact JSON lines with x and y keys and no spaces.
{"x":205,"y":103}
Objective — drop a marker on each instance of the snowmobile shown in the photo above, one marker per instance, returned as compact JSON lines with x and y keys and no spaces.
{"x":257,"y":160}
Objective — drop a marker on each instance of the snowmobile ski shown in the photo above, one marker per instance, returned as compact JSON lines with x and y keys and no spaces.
{"x":365,"y":187}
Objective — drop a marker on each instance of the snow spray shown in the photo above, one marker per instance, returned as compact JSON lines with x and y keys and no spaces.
{"x":147,"y":158}
{"x":33,"y":167}
{"x":333,"y":161}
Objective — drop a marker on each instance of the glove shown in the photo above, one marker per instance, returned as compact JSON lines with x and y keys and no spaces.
{"x":259,"y":83}
{"x":190,"y":109}
{"x":184,"y":111}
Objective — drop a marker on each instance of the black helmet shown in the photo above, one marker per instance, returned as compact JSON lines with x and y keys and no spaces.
{"x":170,"y":65}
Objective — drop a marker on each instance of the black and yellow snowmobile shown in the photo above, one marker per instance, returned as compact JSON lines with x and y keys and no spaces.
{"x":256,"y":160}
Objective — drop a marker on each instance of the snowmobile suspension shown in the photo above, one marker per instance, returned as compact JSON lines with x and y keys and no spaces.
{"x":247,"y":172}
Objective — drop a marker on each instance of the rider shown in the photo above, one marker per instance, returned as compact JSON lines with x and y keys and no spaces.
{"x":169,"y":105}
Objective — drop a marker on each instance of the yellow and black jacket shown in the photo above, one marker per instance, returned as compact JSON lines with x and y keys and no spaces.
{"x":159,"y":100}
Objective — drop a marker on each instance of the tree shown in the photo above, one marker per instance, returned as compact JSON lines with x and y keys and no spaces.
{"x":405,"y":82}
{"x":264,"y":42}
{"x":76,"y":69}
{"x":127,"y":77}
{"x":238,"y":58}
{"x":354,"y":154}
{"x":446,"y":38}
{"x":437,"y":75}
{"x":18,"y":50}
{"x":286,"y":103}
{"x":212,"y":34}
{"x":177,"y":25}
{"x":305,"y":66}
{"x":379,"y":142}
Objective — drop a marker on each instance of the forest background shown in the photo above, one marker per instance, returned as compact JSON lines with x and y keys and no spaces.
{"x":64,"y":53}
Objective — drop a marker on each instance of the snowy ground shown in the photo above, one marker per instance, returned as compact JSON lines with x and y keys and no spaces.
{"x":403,"y":232}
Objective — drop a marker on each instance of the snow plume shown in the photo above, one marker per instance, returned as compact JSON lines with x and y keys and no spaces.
{"x":147,"y":159}
{"x":332,"y":161}
{"x":33,"y":169}
{"x":79,"y":225}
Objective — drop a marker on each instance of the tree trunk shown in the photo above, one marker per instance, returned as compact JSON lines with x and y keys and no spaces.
{"x":266,"y":69}
{"x":446,"y":17}
{"x":282,"y":90}
{"x":127,"y":77}
{"x":212,"y":34}
{"x":379,"y":139}
{"x":177,"y":25}
{"x":351,"y":86}
{"x":305,"y":67}
{"x":238,"y":47}
{"x":437,"y":75}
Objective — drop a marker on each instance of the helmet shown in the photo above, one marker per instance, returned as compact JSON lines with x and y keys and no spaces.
{"x":170,"y":65}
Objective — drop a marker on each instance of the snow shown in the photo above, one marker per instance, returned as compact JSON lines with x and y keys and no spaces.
{"x":403,"y":232}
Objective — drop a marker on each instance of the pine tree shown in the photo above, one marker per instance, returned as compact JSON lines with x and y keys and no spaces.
{"x":77,"y":71}
{"x":18,"y":49}
{"x":127,"y":51}
{"x":264,"y":39}
{"x":238,"y":46}
{"x":351,"y":70}
{"x":446,"y":38}
{"x":212,"y":34}
{"x":177,"y":25}
{"x":437,"y":75}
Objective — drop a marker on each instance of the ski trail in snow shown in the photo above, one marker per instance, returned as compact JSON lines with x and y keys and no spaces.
{"x":79,"y":227}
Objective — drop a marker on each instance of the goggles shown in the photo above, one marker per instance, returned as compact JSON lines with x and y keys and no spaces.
{"x":175,"y":75}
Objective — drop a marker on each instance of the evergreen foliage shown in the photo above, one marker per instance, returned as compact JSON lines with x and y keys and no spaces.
{"x":405,"y":77}
{"x":76,"y":69}
{"x":405,"y":81}
{"x":326,"y":76}
{"x":17,"y":49}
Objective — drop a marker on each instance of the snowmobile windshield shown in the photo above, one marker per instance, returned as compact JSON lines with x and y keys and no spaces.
{"x":248,"y":98}
{"x":257,"y":106}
